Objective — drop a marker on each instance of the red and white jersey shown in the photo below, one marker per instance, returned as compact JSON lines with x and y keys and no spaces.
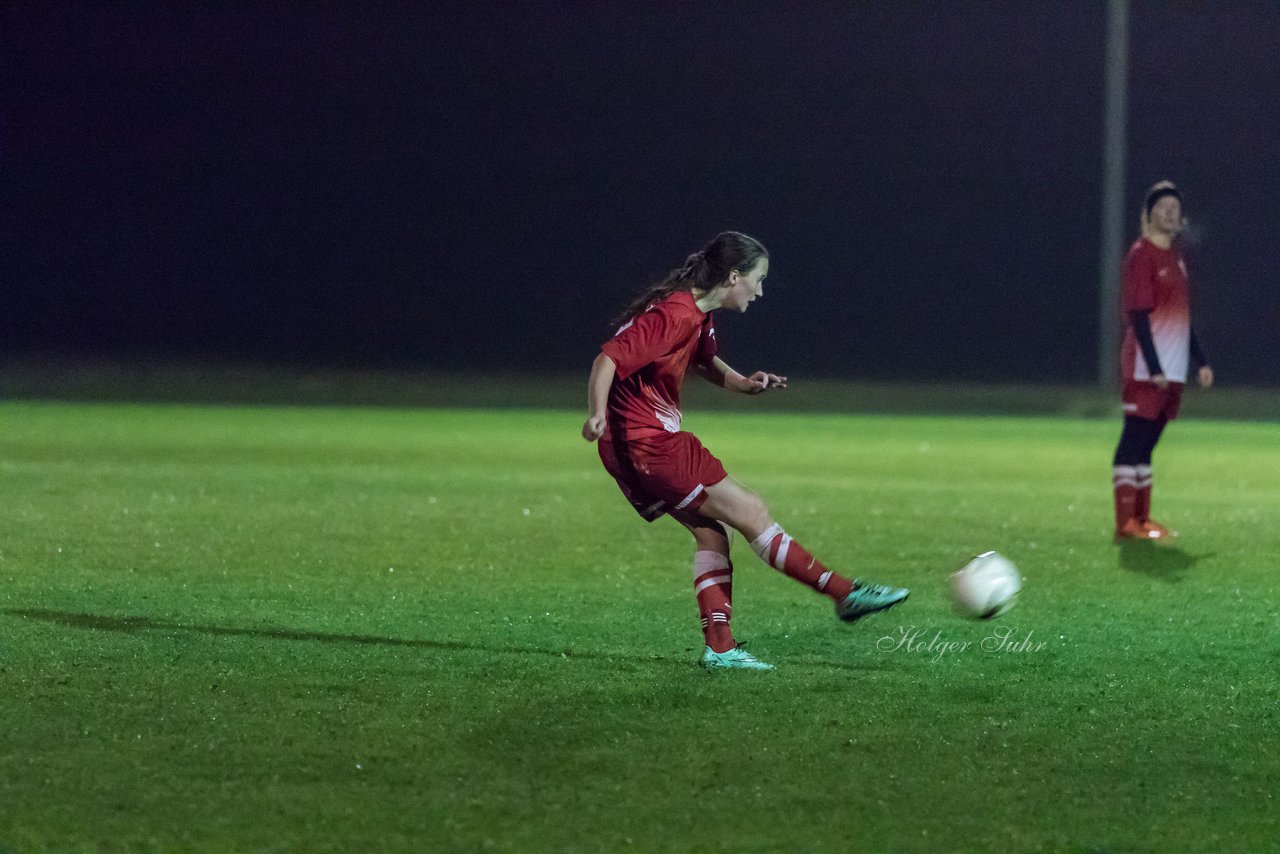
{"x":652,"y":353}
{"x":1155,"y":280}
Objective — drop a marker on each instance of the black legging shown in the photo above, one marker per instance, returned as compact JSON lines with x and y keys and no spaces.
{"x":1138,"y":440}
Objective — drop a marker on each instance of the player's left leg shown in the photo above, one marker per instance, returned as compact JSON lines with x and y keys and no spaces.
{"x":1167,"y":406}
{"x":1142,"y":471}
{"x":742,"y":509}
{"x":1142,"y":495}
{"x":746,"y":511}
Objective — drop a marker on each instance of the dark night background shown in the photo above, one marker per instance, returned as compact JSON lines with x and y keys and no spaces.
{"x":480,"y":185}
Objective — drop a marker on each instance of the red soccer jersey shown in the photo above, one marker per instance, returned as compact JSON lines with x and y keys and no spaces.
{"x":1155,"y":280}
{"x":652,"y":353}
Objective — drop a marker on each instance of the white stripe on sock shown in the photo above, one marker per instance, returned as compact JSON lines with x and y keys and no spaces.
{"x":705,"y":560}
{"x":711,"y":582}
{"x":781,"y":560}
{"x":760,"y":545}
{"x":1124,"y":476}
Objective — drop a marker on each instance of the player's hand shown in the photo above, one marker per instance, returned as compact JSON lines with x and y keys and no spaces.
{"x":593,"y":428}
{"x":1206,"y":376}
{"x":1160,"y":382}
{"x":763,"y":381}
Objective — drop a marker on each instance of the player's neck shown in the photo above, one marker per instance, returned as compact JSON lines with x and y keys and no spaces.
{"x":708,"y":300}
{"x":1161,"y":239}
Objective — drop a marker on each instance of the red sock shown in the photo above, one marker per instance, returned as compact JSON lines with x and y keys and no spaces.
{"x":1142,"y":493}
{"x":1124,"y":483}
{"x":713,"y":585}
{"x":781,"y":552}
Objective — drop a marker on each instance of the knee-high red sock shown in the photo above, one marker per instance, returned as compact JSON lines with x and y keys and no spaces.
{"x":1142,"y":492}
{"x":713,"y":586}
{"x":784,"y":554}
{"x":1124,"y":483}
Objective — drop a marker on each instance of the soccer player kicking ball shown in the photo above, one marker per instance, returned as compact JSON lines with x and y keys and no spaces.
{"x":633,"y":408}
{"x":1159,"y":347}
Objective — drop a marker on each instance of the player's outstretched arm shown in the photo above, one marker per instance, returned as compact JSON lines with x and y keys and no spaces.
{"x":598,"y":384}
{"x":718,"y":372}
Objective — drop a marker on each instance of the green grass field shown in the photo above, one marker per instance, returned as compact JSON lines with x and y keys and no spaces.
{"x":309,"y":629}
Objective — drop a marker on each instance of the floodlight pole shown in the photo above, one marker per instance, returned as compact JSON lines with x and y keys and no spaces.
{"x":1113,"y":193}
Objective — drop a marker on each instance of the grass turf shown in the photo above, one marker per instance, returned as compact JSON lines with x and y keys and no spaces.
{"x":277,"y":629}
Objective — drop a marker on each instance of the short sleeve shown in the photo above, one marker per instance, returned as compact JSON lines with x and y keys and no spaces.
{"x":648,"y":336}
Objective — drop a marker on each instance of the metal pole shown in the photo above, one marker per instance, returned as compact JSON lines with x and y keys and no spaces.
{"x":1113,"y":193}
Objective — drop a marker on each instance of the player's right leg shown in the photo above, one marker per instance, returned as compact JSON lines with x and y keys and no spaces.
{"x":713,"y":588}
{"x":730,"y":502}
{"x":1124,"y":479}
{"x":712,"y":578}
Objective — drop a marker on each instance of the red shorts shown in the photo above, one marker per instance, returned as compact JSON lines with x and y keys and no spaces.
{"x":1144,"y":399}
{"x":668,"y":471}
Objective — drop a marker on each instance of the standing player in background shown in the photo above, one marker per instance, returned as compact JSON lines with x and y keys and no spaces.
{"x":1159,"y":348}
{"x":633,"y":409}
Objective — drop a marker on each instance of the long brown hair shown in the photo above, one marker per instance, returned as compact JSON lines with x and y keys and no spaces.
{"x":703,"y":270}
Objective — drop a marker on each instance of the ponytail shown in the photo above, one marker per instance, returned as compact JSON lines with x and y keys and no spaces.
{"x":702,"y":271}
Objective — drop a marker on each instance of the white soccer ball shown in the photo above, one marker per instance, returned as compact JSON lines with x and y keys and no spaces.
{"x":986,"y":587}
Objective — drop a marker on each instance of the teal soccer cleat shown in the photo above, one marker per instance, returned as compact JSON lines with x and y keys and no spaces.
{"x":736,"y":658}
{"x":869,"y":598}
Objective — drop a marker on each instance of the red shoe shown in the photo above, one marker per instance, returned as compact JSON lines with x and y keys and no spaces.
{"x":1131,"y":530}
{"x":1155,"y":531}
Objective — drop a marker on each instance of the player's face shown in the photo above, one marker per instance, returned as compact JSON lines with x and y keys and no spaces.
{"x":742,"y":288}
{"x":1166,"y":215}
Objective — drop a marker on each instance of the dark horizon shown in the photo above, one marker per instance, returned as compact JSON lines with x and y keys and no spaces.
{"x":481,"y":186}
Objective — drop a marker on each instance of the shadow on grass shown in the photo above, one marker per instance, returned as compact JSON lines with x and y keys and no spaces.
{"x":1162,"y":562}
{"x":134,"y":625}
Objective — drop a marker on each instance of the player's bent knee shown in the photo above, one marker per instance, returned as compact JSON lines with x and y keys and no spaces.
{"x":708,"y":534}
{"x":711,"y":540}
